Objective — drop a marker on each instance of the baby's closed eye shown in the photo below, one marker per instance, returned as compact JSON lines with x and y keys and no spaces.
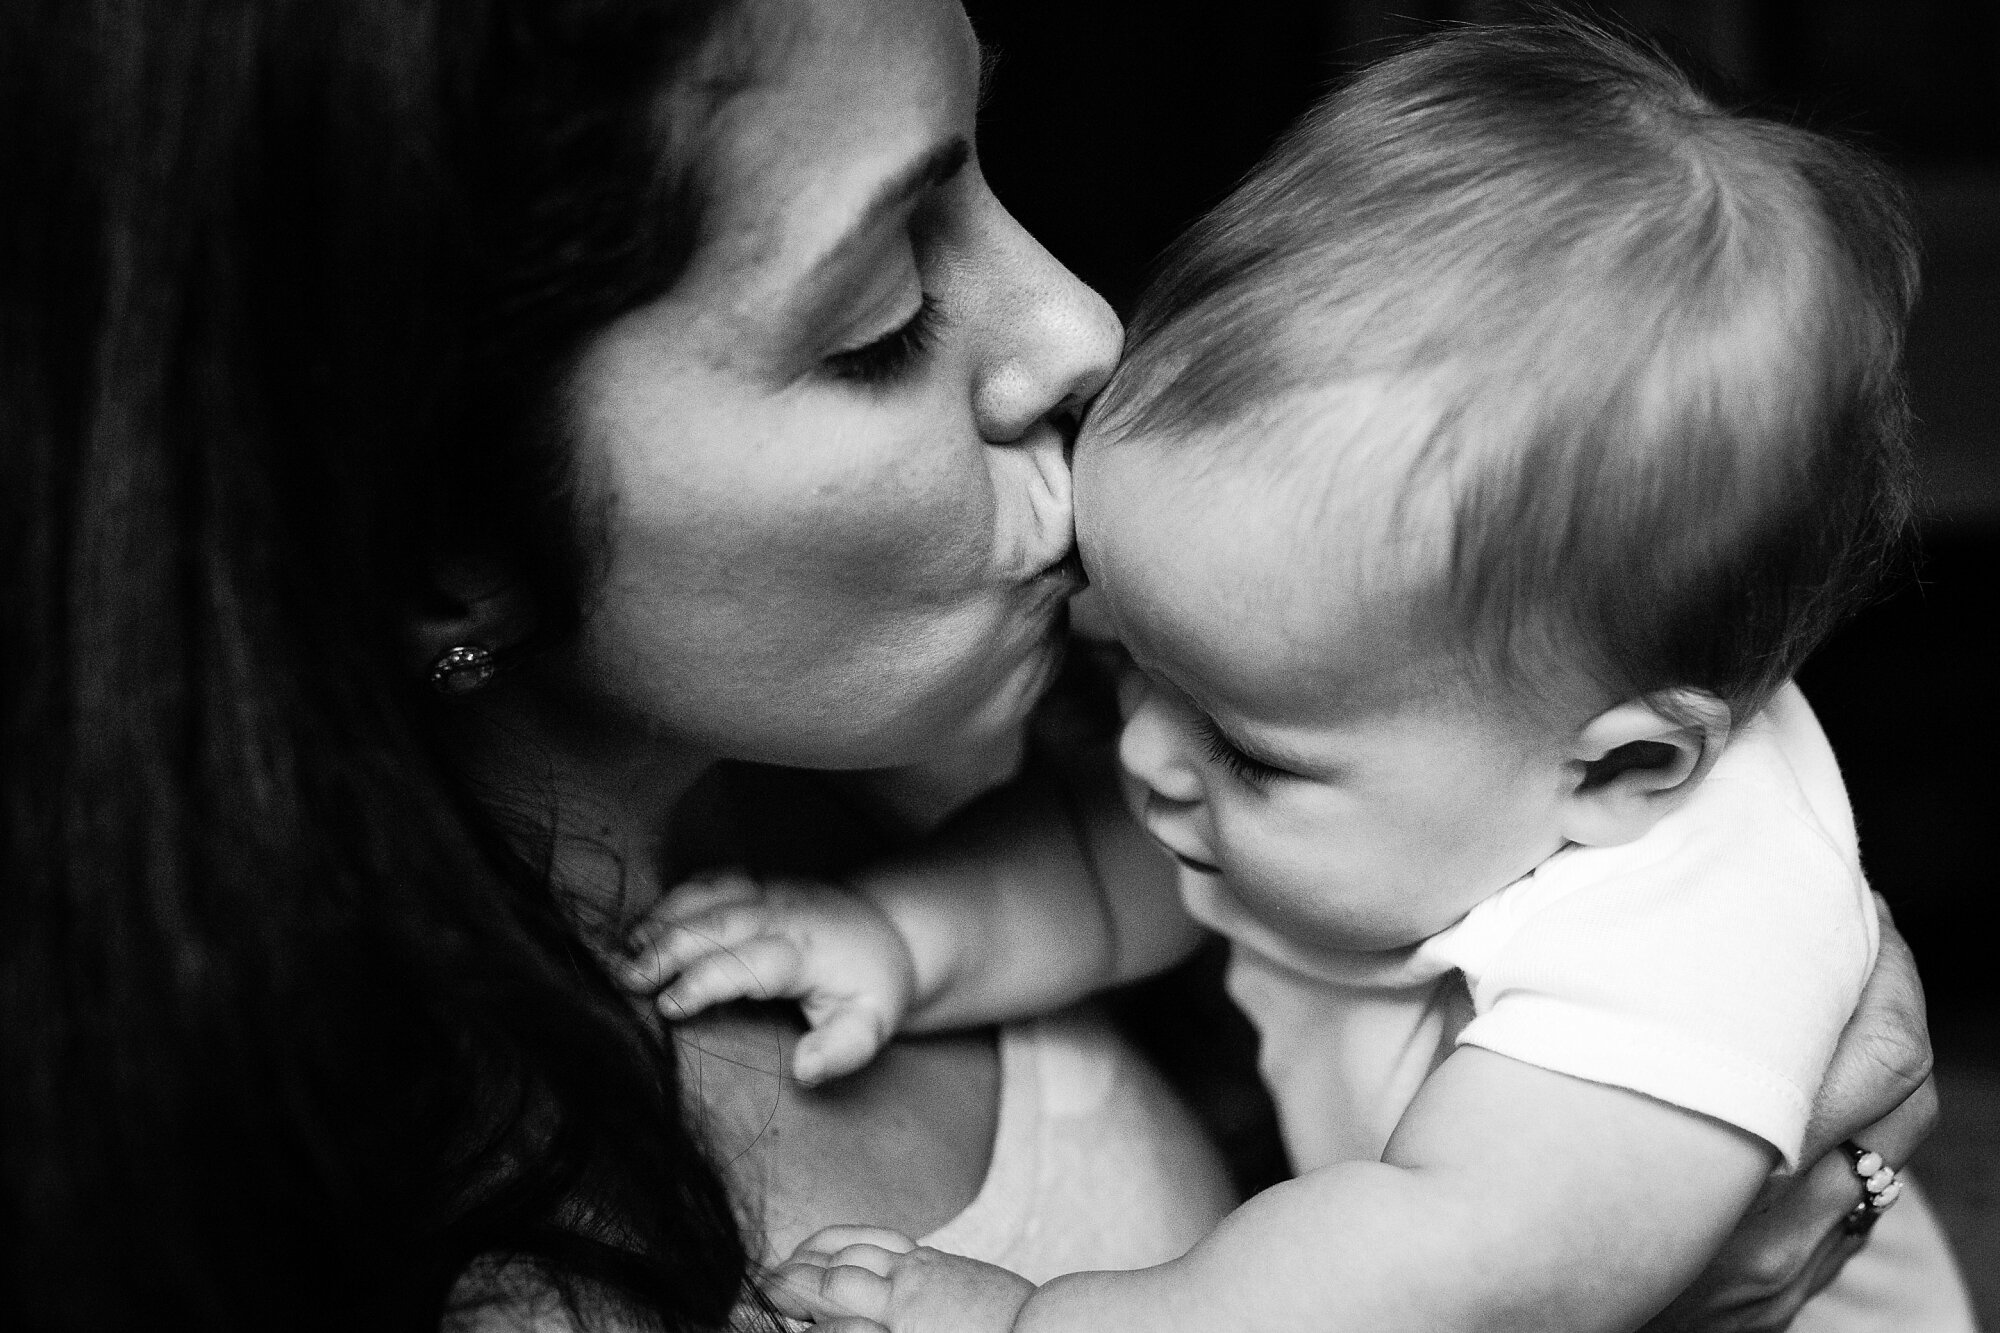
{"x":1232,"y":756}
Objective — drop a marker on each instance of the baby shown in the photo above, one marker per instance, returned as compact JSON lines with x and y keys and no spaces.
{"x":1478,"y":476}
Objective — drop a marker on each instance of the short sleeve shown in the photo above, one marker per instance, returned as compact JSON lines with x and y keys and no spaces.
{"x":1711,"y":964}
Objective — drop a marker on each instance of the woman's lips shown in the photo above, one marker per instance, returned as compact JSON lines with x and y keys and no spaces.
{"x":1066,"y":571}
{"x":1199,"y":867}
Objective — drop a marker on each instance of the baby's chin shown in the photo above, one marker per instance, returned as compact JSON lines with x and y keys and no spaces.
{"x":1356,"y":930}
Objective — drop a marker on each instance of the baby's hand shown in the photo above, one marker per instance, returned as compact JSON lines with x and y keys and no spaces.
{"x":726,"y":936}
{"x":858,"y":1279}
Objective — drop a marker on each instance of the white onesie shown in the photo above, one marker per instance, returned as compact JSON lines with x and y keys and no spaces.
{"x":1710,"y":964}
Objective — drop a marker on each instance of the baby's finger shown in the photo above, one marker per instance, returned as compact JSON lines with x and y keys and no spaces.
{"x":831,"y":1291}
{"x":680,"y":945}
{"x":689,"y":899}
{"x":699,"y":893}
{"x":877,"y":1259}
{"x":829,"y":1241}
{"x":758,"y":969}
{"x":844,"y":1038}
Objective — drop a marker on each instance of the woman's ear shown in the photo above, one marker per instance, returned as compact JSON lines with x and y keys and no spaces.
{"x":1635,"y":762}
{"x":467,"y":606}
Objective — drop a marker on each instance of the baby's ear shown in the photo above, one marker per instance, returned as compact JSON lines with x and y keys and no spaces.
{"x":1635,"y":762}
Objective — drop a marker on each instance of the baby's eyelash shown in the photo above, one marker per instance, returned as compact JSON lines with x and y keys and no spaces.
{"x":1223,"y":751}
{"x":892,"y":354}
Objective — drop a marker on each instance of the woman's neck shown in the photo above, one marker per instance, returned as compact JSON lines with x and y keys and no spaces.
{"x":597,"y":801}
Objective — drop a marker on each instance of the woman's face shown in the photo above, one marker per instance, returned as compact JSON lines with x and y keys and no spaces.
{"x":833,"y":456}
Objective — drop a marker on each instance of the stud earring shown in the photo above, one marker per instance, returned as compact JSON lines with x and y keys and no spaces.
{"x":462,"y":669}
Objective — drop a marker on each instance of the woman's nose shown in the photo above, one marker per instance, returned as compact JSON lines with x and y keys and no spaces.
{"x":1150,"y":749}
{"x":1050,"y":341}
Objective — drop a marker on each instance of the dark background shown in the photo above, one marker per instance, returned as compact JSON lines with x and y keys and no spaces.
{"x":1114,"y":122}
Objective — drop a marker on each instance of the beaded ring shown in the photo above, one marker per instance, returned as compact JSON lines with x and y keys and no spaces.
{"x":1879,"y":1188}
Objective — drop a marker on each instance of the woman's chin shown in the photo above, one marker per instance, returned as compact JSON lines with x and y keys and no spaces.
{"x":1015,"y":695}
{"x":983,"y":715}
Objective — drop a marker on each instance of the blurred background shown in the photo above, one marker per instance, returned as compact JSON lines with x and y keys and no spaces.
{"x":1113,"y":123}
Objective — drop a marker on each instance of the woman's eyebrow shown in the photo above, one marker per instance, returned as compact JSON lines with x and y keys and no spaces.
{"x":933,"y":169}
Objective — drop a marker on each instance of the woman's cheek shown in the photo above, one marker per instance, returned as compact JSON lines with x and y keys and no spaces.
{"x":850,"y":621}
{"x":918,"y":533}
{"x":883,"y":501}
{"x":818,"y":507}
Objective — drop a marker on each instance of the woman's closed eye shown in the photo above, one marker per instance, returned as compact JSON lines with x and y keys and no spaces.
{"x":892,"y":355}
{"x":1232,"y":757}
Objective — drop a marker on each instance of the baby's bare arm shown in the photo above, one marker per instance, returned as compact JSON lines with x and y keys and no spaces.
{"x":1511,"y":1197}
{"x":1035,"y":896}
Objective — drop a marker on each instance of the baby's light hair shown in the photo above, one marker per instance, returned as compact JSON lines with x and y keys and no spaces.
{"x":1656,"y":346}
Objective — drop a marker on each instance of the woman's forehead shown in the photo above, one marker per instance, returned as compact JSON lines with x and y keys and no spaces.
{"x":850,"y":104}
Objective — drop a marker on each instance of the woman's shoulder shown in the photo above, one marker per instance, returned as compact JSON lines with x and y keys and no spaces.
{"x":1095,"y":1165}
{"x":501,"y":1295}
{"x":497,"y":1295}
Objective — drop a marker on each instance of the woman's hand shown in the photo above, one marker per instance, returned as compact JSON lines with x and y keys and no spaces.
{"x":1878,"y":1092}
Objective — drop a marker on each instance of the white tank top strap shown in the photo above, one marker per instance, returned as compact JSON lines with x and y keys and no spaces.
{"x":1095,"y":1164}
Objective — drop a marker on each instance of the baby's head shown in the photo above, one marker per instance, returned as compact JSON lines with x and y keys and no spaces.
{"x":1520,"y":424}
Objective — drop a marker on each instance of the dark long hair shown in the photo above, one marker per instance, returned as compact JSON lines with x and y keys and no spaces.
{"x":288,"y":1034}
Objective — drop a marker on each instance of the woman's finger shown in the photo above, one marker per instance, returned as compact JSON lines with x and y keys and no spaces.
{"x":1878,"y":1094}
{"x":1883,"y":1059}
{"x":1774,"y":1310}
{"x":1794,"y":1241}
{"x":1899,"y":1134}
{"x":1820,"y":1196}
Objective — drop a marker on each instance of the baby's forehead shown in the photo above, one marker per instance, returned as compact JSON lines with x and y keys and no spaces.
{"x":1327,"y":477}
{"x":1241,"y":560}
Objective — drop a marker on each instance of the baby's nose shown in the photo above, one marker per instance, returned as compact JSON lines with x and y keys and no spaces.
{"x":1150,"y":749}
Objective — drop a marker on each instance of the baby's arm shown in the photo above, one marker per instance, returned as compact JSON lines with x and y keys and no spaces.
{"x":1034,"y":896}
{"x":1510,"y":1197}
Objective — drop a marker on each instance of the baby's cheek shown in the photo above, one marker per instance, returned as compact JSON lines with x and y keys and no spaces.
{"x":1284,"y":881}
{"x":1473,"y":851}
